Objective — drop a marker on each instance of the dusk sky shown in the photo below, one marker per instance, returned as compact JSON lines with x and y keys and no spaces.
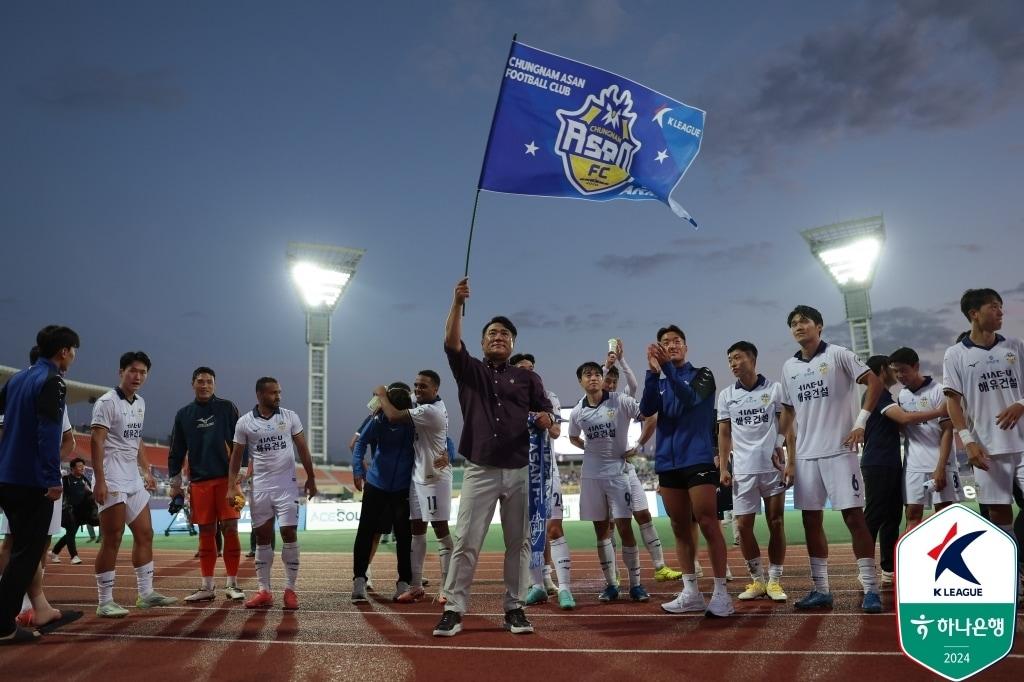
{"x":156,"y":158}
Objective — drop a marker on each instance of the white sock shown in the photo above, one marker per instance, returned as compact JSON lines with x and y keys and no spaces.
{"x":819,"y":574}
{"x":563,"y":561}
{"x":720,"y":586}
{"x":445,"y":555}
{"x":26,"y":603}
{"x":144,"y":577}
{"x":868,"y":576}
{"x":537,"y":576}
{"x":650,"y":535}
{"x":631,"y":557}
{"x":755,"y":568}
{"x":290,"y":557}
{"x":207,"y":582}
{"x":690,"y":584}
{"x":105,"y":586}
{"x":606,"y":555}
{"x":419,"y":554}
{"x":264,"y":562}
{"x":232,"y":581}
{"x":548,"y":570}
{"x":774,"y":572}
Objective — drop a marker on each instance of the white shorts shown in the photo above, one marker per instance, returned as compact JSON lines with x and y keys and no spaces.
{"x":555,"y":503}
{"x":55,"y":527}
{"x":604,"y":498}
{"x":996,"y":484}
{"x":274,"y":502}
{"x":749,"y":489}
{"x":914,"y":488}
{"x":637,"y":494}
{"x":836,"y":479}
{"x":430,"y":501}
{"x":133,"y":503}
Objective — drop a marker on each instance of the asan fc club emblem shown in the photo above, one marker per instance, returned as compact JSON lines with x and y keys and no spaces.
{"x":596,"y":141}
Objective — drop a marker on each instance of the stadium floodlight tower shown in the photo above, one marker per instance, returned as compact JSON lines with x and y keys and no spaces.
{"x":849,"y":252}
{"x":321,"y":274}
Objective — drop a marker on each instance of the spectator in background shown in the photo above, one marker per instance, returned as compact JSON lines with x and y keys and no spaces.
{"x":79,"y":508}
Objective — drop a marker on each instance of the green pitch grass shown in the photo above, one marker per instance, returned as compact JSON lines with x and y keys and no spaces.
{"x":580,"y":535}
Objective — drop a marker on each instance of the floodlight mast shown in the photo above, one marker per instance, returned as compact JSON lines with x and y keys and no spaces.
{"x":321,"y":273}
{"x":849,"y":253}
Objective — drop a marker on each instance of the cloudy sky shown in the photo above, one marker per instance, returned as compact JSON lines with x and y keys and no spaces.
{"x":157,"y":158}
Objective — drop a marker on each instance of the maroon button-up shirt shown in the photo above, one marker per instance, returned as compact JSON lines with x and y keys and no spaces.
{"x":496,"y":400}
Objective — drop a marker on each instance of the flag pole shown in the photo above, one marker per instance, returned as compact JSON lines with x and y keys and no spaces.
{"x":469,"y":244}
{"x":476,"y":200}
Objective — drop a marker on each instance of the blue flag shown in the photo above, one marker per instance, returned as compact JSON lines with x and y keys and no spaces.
{"x":563,"y":128}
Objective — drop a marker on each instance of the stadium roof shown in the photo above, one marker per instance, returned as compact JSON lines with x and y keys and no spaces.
{"x":78,"y":391}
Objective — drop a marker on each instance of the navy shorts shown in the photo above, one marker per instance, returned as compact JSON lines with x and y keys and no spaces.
{"x":689,"y":477}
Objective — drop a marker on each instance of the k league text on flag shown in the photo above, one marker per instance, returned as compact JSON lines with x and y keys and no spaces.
{"x":566,"y":129}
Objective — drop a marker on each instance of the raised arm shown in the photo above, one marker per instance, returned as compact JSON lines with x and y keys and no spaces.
{"x":393,"y":414}
{"x":624,"y":370}
{"x":453,"y":325}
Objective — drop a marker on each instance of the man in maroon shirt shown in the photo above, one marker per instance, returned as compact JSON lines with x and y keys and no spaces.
{"x":496,"y":400}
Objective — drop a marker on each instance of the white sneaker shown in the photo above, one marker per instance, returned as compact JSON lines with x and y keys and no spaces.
{"x":233,"y":592}
{"x":685,"y":603}
{"x":54,"y":559}
{"x":720,"y":606}
{"x":728,"y":574}
{"x":885,"y":577}
{"x":202,"y":594}
{"x":76,"y":560}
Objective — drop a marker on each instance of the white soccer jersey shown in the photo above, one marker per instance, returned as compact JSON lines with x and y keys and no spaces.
{"x":605,"y":428}
{"x":989,"y":381}
{"x":922,"y":439}
{"x":822,"y":392}
{"x":271,"y":447}
{"x":753,"y":415}
{"x":123,"y":421}
{"x":430,"y":421}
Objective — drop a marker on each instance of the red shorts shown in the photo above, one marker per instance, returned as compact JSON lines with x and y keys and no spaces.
{"x":209,"y":501}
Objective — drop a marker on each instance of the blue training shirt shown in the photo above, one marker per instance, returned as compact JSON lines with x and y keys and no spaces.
{"x":32,"y":403}
{"x":391,"y":469}
{"x":685,"y":418}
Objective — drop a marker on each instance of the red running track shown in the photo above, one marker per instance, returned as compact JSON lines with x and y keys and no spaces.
{"x":330,"y":639}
